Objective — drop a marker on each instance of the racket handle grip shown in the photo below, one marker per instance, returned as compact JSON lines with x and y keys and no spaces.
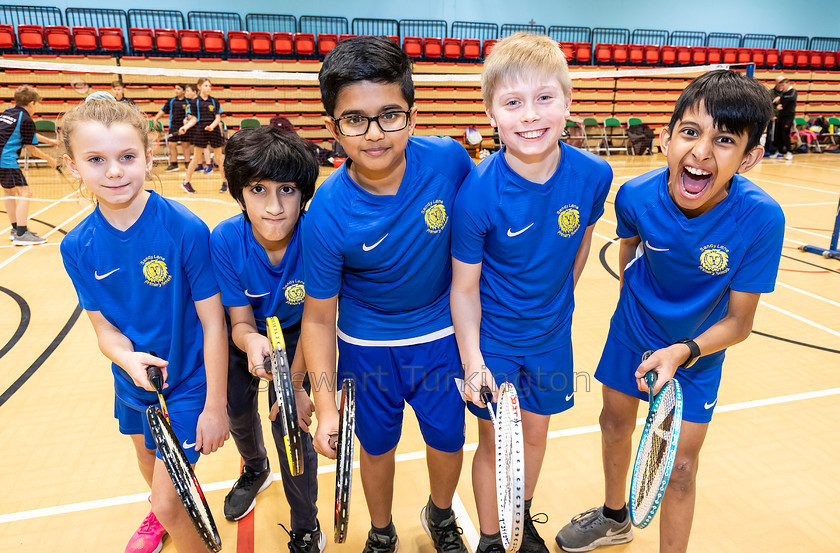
{"x":650,"y":376}
{"x":155,"y":375}
{"x":267,"y":364}
{"x":486,"y":395}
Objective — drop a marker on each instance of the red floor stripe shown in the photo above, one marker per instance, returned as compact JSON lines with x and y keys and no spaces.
{"x":245,"y":531}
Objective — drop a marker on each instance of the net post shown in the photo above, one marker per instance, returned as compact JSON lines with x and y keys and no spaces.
{"x":750,"y":70}
{"x":832,"y":252}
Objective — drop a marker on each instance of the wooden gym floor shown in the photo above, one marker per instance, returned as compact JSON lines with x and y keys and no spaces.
{"x":770,"y":476}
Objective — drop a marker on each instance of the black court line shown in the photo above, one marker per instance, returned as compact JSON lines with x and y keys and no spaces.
{"x":811,"y":264}
{"x":25,"y":315}
{"x":27,"y":374}
{"x":603,"y":257}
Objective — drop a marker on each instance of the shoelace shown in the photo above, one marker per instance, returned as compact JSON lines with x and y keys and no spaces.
{"x":149,"y":525}
{"x":377,"y":543}
{"x":449,"y":535}
{"x":301,"y":542}
{"x":539,"y":518}
{"x":247,"y":479}
{"x":587,"y":518}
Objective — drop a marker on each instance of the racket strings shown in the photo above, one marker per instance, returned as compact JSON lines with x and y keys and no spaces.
{"x":656,"y":447}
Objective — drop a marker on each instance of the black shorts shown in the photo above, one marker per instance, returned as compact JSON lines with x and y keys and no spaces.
{"x":10,"y":178}
{"x":175,"y":137}
{"x":202,"y":138}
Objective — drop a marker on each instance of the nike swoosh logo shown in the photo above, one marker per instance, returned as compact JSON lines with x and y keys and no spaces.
{"x":568,"y":397}
{"x":368,"y":248}
{"x":612,"y":531}
{"x":97,"y":276}
{"x":655,"y":249}
{"x":517,"y":233}
{"x":709,"y":405}
{"x":185,"y":445}
{"x":256,"y":295}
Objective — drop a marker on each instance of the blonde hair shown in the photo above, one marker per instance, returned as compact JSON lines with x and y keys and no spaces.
{"x":522,"y":55}
{"x":106,"y":112}
{"x":25,"y":95}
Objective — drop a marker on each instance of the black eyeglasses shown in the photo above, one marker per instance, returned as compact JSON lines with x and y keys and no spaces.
{"x":357,"y":125}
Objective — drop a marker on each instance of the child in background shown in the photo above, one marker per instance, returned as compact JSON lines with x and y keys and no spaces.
{"x":141,"y":268}
{"x":17,"y":130}
{"x":522,"y":229}
{"x":204,"y":113}
{"x":176,"y":109}
{"x":259,"y":267}
{"x":118,"y":91}
{"x":699,"y":245}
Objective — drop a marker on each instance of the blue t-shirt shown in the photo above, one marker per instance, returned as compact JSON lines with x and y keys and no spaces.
{"x":526,"y":235}
{"x":247,"y":277}
{"x":145,"y":281}
{"x":677,"y":285}
{"x":387,"y":257}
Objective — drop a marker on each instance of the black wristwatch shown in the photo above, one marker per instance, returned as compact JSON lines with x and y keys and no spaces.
{"x":694,"y":351}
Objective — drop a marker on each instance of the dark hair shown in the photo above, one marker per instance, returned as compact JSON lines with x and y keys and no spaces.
{"x":365,"y":58}
{"x":25,"y":95}
{"x":191,"y":86}
{"x":736,"y":103}
{"x":267,"y":153}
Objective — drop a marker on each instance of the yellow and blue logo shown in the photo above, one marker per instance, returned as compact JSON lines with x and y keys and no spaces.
{"x":294,"y":292}
{"x":434,"y":214}
{"x":714,"y":259}
{"x":568,"y":220}
{"x":155,"y":271}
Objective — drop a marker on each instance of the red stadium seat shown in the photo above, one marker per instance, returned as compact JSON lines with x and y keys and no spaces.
{"x":305,"y":44}
{"x":85,"y":38}
{"x":432,"y":47}
{"x":413,"y":46}
{"x":714,"y":55}
{"x":213,"y":41}
{"x":568,"y":49}
{"x":621,"y":53}
{"x":730,"y":55}
{"x":58,"y":37}
{"x":238,"y":42}
{"x":190,"y":40}
{"x":395,"y":38}
{"x":451,"y":47}
{"x":31,"y":36}
{"x":488,"y":44}
{"x":345,"y":37}
{"x":141,"y":39}
{"x":771,"y":57}
{"x":787,"y":58}
{"x":7,"y":36}
{"x":326,"y":42}
{"x":758,"y":57}
{"x":683,"y":55}
{"x":803,"y":58}
{"x":472,"y":48}
{"x":603,"y":53}
{"x":260,"y":42}
{"x":166,"y":40}
{"x":651,"y":53}
{"x":111,"y":39}
{"x":636,"y":54}
{"x":698,"y":55}
{"x":284,"y":43}
{"x":815,"y":59}
{"x":669,"y":54}
{"x":829,"y":59}
{"x":744,"y":55}
{"x":583,"y":52}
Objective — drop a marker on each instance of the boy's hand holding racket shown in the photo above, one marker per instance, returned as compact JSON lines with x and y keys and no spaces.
{"x":258,"y":349}
{"x":324,"y":439}
{"x":476,"y":377}
{"x":136,"y":363}
{"x":664,"y":362}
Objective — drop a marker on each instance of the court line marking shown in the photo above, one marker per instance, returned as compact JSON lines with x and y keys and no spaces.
{"x":808,"y":205}
{"x":27,"y":248}
{"x":768,"y":181}
{"x":33,"y":215}
{"x":141,"y":497}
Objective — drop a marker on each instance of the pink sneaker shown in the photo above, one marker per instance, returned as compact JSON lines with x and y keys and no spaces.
{"x":148,"y":538}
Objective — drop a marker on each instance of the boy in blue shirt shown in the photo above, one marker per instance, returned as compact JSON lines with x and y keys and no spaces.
{"x":522,"y":228}
{"x":176,"y":109}
{"x":699,"y":245}
{"x":376,"y":245}
{"x":259,"y":267}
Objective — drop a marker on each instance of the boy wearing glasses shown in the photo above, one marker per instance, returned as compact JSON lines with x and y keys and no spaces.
{"x":376,"y":246}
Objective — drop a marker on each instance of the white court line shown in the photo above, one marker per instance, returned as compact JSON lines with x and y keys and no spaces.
{"x":466,"y":523}
{"x":27,"y":248}
{"x":833,"y":192}
{"x":809,"y":294}
{"x":591,"y":429}
{"x":798,"y":318}
{"x":808,"y":232}
{"x":808,"y":205}
{"x":32,"y":215}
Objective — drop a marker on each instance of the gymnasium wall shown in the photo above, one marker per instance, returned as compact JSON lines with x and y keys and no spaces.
{"x":776,"y":17}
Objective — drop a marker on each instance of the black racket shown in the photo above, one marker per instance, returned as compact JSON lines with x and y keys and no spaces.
{"x":178,"y":467}
{"x":344,"y":458}
{"x":278,"y":364}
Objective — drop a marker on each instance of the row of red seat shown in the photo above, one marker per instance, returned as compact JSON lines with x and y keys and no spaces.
{"x":60,"y":37}
{"x":635,"y":54}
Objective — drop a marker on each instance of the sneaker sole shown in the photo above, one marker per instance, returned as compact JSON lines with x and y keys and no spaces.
{"x":425,"y":524}
{"x":22,"y":243}
{"x":606,"y":540}
{"x":253,"y":504}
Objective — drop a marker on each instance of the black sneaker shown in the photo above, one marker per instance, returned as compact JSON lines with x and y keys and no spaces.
{"x":242,"y":497}
{"x":493,"y":548}
{"x":224,"y":187}
{"x":171,"y":167}
{"x":306,"y":542}
{"x":381,"y":543}
{"x":531,"y":540}
{"x":187,"y":188}
{"x":446,"y":536}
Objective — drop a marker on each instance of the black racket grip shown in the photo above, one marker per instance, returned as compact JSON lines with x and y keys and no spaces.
{"x":267,"y":364}
{"x":650,"y":376}
{"x":155,"y":375}
{"x":486,"y":395}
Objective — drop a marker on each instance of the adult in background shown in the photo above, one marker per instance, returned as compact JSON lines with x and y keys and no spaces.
{"x":785,"y":104}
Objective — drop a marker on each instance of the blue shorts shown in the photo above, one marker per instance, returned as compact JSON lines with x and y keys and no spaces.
{"x":133,"y":422}
{"x":617,"y":370}
{"x":544,"y":381}
{"x":388,"y":376}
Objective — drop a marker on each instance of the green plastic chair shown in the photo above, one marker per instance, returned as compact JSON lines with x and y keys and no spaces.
{"x":44,"y":125}
{"x":614,"y":130}
{"x":593,"y":129}
{"x":249,"y":123}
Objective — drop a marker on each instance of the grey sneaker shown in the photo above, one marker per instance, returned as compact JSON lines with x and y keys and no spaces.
{"x":446,"y":536}
{"x":531,"y":540}
{"x":242,"y":498}
{"x":380,"y":543}
{"x":171,"y":167}
{"x":12,"y":234}
{"x":28,"y":238}
{"x":592,"y":529}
